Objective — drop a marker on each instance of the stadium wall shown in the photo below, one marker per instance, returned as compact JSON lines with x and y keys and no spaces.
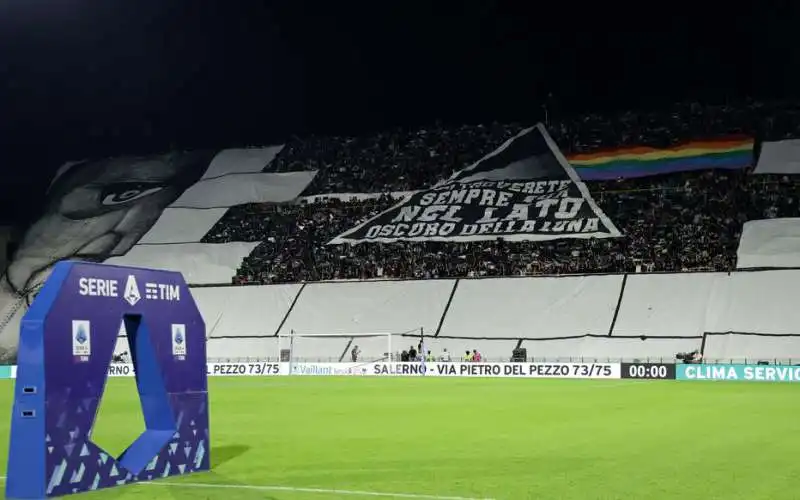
{"x":736,"y":316}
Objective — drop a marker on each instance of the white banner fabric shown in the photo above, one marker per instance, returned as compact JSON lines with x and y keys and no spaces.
{"x":769,"y":243}
{"x":238,"y":189}
{"x":241,"y":161}
{"x":200,"y":263}
{"x":182,"y":225}
{"x":779,"y":157}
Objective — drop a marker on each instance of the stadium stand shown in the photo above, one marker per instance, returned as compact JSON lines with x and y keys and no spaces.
{"x":683,"y":222}
{"x":678,"y":222}
{"x":686,"y":223}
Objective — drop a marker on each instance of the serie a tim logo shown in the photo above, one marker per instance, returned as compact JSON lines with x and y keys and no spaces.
{"x":81,"y":340}
{"x":179,"y":342}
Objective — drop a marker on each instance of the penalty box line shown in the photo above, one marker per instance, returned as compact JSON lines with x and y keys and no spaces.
{"x":290,"y":489}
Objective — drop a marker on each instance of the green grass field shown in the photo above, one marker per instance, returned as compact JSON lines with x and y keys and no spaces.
{"x":472,"y":438}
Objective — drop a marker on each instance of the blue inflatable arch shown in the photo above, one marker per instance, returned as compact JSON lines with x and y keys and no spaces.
{"x":67,"y":339}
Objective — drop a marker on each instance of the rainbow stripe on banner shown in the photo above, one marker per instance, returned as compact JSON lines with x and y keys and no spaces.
{"x":731,"y":153}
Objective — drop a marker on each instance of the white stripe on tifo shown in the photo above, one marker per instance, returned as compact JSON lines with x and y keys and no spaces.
{"x":289,"y":489}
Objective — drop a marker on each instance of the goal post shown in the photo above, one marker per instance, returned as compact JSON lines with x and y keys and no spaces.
{"x":297,"y":346}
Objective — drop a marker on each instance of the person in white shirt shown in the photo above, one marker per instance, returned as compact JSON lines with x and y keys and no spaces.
{"x":445,"y":357}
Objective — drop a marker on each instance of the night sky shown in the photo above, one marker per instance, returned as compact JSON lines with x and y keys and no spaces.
{"x":88,"y":78}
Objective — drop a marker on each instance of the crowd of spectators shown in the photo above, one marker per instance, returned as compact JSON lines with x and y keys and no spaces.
{"x":677,"y":222}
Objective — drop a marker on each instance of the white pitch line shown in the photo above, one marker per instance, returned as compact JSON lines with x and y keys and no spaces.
{"x":290,"y":489}
{"x":354,"y":493}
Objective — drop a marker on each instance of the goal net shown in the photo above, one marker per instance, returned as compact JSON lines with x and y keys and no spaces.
{"x":299,"y":347}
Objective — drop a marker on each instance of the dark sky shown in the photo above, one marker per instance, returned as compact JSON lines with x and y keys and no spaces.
{"x":86,"y":78}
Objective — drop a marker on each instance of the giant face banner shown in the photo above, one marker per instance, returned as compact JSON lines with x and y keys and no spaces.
{"x":524,"y":190}
{"x":96,"y":210}
{"x":109,"y":208}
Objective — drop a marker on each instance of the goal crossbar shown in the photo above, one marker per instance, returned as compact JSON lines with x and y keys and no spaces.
{"x":414,"y":332}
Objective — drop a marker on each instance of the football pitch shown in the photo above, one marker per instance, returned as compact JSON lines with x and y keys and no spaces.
{"x":318,"y":438}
